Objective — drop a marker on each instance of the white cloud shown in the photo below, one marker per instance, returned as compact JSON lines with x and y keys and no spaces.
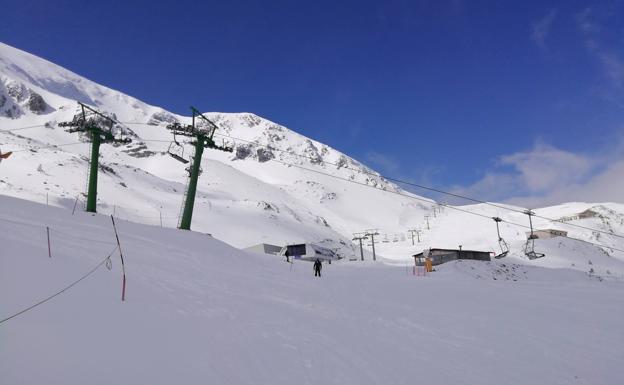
{"x":541,"y":28}
{"x":545,"y":167}
{"x":605,"y":186}
{"x":546,"y":175}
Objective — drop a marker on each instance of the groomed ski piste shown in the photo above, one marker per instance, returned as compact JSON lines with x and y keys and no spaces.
{"x":198,"y":311}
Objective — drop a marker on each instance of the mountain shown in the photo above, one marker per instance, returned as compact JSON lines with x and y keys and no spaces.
{"x":276,"y":187}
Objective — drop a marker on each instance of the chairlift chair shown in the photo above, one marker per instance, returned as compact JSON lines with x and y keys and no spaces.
{"x":176,"y":150}
{"x":529,"y":250}
{"x":501,"y":242}
{"x":529,"y":247}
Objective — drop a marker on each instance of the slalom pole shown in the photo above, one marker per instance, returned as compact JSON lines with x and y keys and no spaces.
{"x":123,"y":267}
{"x":49,"y":249}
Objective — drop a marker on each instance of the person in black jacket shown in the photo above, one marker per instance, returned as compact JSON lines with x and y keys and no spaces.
{"x":317,"y":268}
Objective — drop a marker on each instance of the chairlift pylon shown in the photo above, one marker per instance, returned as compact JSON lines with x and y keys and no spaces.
{"x":529,"y":247}
{"x":176,"y":150}
{"x":501,"y":242}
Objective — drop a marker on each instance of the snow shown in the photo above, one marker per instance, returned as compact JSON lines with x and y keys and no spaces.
{"x":201,"y":311}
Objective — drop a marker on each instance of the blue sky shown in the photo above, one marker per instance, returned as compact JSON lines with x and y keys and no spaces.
{"x":510,"y":101}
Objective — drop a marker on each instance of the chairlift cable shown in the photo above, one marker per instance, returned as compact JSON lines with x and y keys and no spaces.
{"x":22,"y":128}
{"x":417,"y":185}
{"x":372,"y":173}
{"x":425,"y":200}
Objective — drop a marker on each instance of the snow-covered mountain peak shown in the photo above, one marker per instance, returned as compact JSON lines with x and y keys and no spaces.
{"x":59,"y":87}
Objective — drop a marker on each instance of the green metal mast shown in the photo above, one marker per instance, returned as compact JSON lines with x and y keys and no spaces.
{"x":203,"y":135}
{"x":93,"y":172}
{"x":99,"y":128}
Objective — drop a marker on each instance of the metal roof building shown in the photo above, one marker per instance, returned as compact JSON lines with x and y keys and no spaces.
{"x":264,"y":248}
{"x":440,"y":256}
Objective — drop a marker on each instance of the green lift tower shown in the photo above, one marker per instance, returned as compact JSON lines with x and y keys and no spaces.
{"x":202,"y":130}
{"x":100,"y":129}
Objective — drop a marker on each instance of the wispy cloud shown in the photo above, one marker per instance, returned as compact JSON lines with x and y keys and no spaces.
{"x":544,"y":167}
{"x":613,"y":67}
{"x":389,"y":166}
{"x":541,"y":28}
{"x":386,"y":163}
{"x":546,"y":175}
{"x":585,"y":21}
{"x":610,"y":60}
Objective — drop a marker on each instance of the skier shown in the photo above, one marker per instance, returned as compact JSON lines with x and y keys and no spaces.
{"x":317,"y":267}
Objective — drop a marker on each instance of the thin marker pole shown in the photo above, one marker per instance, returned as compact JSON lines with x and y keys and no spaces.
{"x":49,"y":249}
{"x":123,"y":267}
{"x":75,"y":203}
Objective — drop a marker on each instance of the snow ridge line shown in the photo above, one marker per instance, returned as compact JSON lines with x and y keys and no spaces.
{"x":93,"y":270}
{"x":56,"y":231}
{"x":22,"y":128}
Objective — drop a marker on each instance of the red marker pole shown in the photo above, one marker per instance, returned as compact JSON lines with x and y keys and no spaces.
{"x":123,"y":267}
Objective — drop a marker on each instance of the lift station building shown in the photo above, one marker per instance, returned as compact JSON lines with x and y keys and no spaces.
{"x":440,"y":256}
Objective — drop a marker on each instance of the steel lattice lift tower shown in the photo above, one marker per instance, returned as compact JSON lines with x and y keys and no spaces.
{"x":203,"y":134}
{"x":99,"y":128}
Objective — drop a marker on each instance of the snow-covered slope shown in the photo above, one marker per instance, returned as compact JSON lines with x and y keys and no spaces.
{"x":244,"y":197}
{"x":277,"y":187}
{"x":199,"y":311}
